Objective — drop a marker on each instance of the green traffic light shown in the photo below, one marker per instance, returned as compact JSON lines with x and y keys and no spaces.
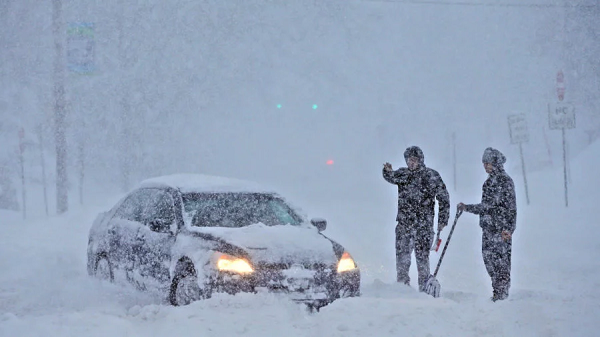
{"x":278,"y":106}
{"x":315,"y":107}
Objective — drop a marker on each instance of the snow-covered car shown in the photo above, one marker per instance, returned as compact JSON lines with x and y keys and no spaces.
{"x":190,"y":236}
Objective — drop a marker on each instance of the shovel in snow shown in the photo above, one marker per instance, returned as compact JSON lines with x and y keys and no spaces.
{"x":432,"y":285}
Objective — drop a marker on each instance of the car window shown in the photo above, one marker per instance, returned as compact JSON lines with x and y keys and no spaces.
{"x":150,"y":206}
{"x":237,"y":210}
{"x":282,"y":212}
{"x":131,"y":209}
{"x":158,"y":213}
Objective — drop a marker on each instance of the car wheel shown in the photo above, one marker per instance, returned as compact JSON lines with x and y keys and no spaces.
{"x":185,"y":288}
{"x":103,"y":268}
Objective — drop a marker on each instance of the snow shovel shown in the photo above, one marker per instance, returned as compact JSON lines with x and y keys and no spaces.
{"x":432,"y":285}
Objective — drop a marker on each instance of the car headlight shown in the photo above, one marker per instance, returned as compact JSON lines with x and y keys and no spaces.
{"x":233,"y":264}
{"x":346,"y":263}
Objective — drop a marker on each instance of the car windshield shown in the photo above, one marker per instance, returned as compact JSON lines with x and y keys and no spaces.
{"x":237,"y":210}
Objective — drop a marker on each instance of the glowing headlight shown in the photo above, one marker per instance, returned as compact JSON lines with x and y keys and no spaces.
{"x":233,"y":264}
{"x":346,"y":263}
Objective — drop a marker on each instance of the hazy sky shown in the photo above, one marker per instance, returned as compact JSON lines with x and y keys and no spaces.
{"x":195,"y":85}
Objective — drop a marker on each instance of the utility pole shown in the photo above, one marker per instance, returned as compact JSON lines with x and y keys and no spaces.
{"x":22,"y":166}
{"x":125,"y":137}
{"x":564,"y":139}
{"x":62,"y":193}
{"x":81,"y":163}
{"x":454,"y":157}
{"x":524,"y":172}
{"x":42,"y":162}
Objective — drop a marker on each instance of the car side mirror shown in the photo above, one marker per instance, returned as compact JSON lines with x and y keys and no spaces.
{"x":173,"y":229}
{"x":321,"y":224}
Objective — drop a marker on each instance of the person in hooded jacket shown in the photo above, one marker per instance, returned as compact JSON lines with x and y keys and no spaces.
{"x":497,"y":219}
{"x":418,"y":189}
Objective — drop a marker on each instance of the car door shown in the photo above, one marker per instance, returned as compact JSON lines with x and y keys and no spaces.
{"x":122,"y":233}
{"x":156,"y":239}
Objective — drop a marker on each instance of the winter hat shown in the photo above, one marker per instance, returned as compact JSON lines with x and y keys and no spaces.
{"x":494,"y":157}
{"x":414,"y":151}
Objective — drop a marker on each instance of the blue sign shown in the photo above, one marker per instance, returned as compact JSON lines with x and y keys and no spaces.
{"x":80,"y":48}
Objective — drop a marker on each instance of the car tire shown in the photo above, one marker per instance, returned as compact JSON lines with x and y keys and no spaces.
{"x":184,"y":287}
{"x":103,"y":268}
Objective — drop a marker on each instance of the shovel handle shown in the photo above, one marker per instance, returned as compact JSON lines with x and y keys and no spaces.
{"x":437,"y":268}
{"x":437,"y":242}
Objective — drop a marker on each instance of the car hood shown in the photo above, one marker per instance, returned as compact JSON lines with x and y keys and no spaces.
{"x":277,"y":244}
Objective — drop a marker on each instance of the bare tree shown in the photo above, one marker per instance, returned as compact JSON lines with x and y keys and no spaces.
{"x":62,"y":195}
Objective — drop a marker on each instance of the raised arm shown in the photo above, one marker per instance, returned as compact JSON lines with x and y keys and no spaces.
{"x":391,"y":176}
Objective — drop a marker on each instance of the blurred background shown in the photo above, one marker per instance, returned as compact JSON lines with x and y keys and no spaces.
{"x":311,"y":97}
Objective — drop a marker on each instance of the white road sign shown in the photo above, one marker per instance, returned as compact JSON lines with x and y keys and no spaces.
{"x":561,"y":115}
{"x":517,"y":125}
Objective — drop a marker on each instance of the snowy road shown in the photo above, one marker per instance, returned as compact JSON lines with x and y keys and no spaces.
{"x":45,"y":290}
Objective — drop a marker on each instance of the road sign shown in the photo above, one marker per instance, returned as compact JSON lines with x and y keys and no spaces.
{"x":561,"y":115}
{"x":80,"y":48}
{"x":517,"y":124}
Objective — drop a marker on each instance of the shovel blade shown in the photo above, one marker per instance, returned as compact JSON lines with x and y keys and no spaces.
{"x":432,"y":287}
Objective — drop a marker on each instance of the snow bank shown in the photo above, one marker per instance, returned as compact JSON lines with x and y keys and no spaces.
{"x":45,"y":290}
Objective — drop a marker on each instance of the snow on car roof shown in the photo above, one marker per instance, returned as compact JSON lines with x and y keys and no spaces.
{"x":190,"y":183}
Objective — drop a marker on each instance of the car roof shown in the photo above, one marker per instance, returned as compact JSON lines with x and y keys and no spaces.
{"x":201,"y":183}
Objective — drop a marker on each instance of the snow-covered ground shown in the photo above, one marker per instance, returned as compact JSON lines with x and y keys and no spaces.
{"x":45,"y":289}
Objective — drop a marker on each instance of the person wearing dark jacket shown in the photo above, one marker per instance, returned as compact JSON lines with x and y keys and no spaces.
{"x":497,"y":219}
{"x":418,"y":188}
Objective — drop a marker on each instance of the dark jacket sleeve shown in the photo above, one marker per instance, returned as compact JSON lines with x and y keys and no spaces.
{"x":443,"y":198}
{"x":392,"y":177}
{"x":478,"y":209}
{"x":508,"y":211}
{"x":499,"y":202}
{"x":487,"y":203}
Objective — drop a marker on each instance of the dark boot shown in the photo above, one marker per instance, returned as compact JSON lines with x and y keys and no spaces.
{"x":404,"y":280}
{"x":502,"y":293}
{"x":499,"y":295}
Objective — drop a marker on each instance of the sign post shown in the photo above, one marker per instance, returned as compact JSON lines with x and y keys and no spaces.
{"x":22,"y":163}
{"x":42,"y":162}
{"x":81,"y":49}
{"x":454,"y":156}
{"x":517,"y":125}
{"x":561,"y":115}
